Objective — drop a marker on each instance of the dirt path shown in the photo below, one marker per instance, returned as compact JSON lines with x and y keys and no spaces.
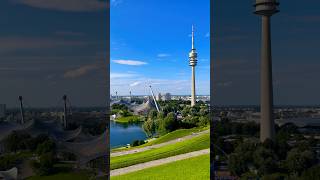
{"x":158,"y":162}
{"x":121,"y":153}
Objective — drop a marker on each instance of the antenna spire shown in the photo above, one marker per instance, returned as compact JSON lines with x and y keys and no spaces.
{"x":192,"y":36}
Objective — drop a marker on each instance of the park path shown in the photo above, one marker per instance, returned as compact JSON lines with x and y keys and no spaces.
{"x":158,"y":162}
{"x":121,"y":153}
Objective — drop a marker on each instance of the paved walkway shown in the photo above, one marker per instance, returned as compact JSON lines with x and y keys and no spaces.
{"x":121,"y":153}
{"x":158,"y":162}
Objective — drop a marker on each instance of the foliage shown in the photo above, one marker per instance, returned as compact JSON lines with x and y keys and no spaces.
{"x":137,"y":143}
{"x":46,"y":147}
{"x":17,"y":141}
{"x":299,"y":160}
{"x":311,"y":173}
{"x":7,"y":162}
{"x":45,"y":166}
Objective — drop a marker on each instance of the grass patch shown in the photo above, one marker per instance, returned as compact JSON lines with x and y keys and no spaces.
{"x":129,"y":119}
{"x":173,"y":135}
{"x":165,"y":138}
{"x":193,"y":144}
{"x":188,"y":169}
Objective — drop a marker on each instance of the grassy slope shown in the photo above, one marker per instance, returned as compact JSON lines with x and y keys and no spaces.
{"x":168,"y":137}
{"x":194,"y":144}
{"x":129,"y":119}
{"x":188,"y":169}
{"x":173,"y":135}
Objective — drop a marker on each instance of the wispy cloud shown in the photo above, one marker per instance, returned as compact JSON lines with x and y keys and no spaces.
{"x":81,"y":71}
{"x":65,"y":5}
{"x":122,"y":75}
{"x":163,"y":55}
{"x":135,"y":84}
{"x":130,"y":62}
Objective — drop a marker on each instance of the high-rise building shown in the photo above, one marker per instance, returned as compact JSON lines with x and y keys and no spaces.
{"x":266,"y":8}
{"x":159,"y":97}
{"x":193,"y":62}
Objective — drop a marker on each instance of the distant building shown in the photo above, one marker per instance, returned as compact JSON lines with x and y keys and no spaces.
{"x":2,"y":111}
{"x":159,"y":97}
{"x":167,"y":97}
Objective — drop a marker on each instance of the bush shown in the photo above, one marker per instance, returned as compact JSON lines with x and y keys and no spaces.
{"x":137,"y":143}
{"x":45,"y":147}
{"x":46,"y":164}
{"x":7,"y":162}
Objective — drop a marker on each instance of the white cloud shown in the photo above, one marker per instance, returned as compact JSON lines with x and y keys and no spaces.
{"x":65,"y":5}
{"x":162,"y":55}
{"x":130,"y":62}
{"x":81,"y":71}
{"x":135,"y":84}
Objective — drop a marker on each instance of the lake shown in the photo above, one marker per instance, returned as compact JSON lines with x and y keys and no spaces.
{"x":123,"y":134}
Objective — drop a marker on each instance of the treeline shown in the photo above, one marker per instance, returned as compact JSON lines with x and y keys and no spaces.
{"x":175,"y":116}
{"x":22,"y":143}
{"x":289,"y":156}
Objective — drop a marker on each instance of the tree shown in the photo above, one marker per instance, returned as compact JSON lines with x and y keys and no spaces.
{"x":45,"y":164}
{"x":168,"y":124}
{"x":149,"y":127}
{"x":265,"y":160}
{"x":311,"y":173}
{"x":203,"y":120}
{"x":16,"y":141}
{"x":46,"y":147}
{"x":152,"y":114}
{"x":237,"y":164}
{"x":297,"y":161}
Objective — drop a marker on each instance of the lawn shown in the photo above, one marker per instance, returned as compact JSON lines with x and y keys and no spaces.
{"x":168,"y":137}
{"x":188,"y":169}
{"x":193,"y":144}
{"x":129,"y":119}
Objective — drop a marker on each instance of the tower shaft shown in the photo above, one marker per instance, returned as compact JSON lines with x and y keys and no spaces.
{"x":267,"y":122}
{"x":193,"y":86}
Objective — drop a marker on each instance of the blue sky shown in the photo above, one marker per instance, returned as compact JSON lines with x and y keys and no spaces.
{"x":52,"y":47}
{"x":150,"y":42}
{"x":295,"y":40}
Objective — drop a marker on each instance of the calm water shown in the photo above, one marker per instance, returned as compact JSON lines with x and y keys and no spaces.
{"x":123,"y":134}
